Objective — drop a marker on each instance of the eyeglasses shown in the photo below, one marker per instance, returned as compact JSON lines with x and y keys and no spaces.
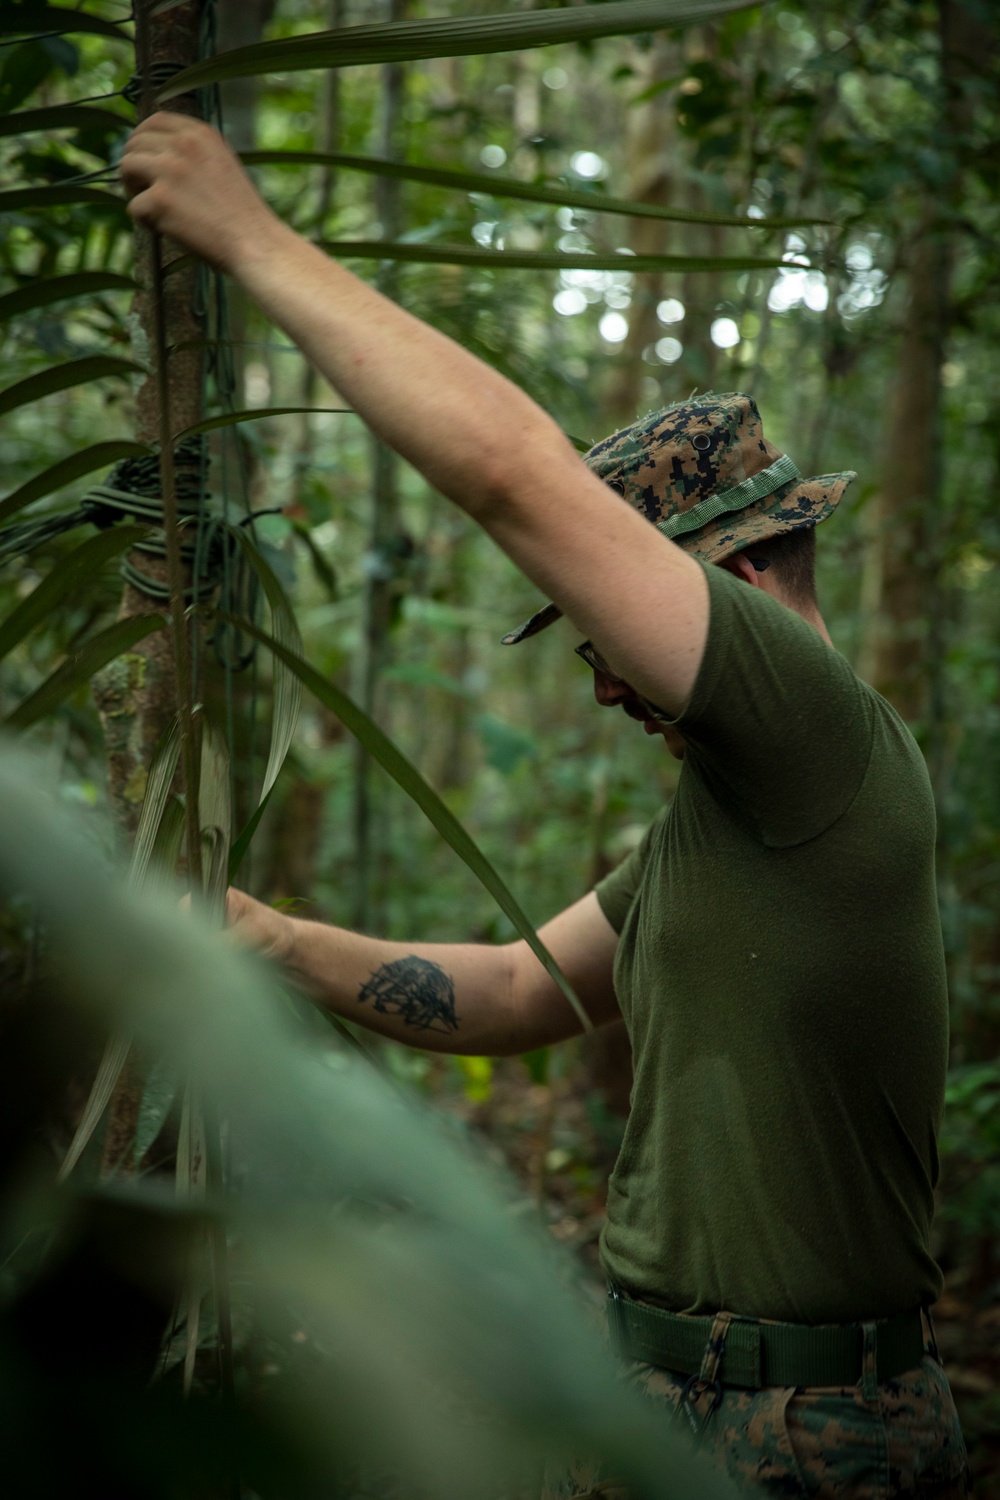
{"x":590,"y":654}
{"x":595,"y":660}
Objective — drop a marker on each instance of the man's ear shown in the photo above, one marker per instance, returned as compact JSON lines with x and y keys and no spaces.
{"x":741,"y":567}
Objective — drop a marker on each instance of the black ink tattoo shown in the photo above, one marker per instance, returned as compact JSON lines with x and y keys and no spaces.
{"x":415,"y":989}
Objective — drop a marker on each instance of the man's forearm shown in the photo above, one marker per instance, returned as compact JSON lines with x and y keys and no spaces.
{"x":473,"y":998}
{"x":446,"y":997}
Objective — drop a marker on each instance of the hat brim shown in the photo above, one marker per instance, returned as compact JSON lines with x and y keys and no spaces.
{"x":540,"y":620}
{"x":799,"y":503}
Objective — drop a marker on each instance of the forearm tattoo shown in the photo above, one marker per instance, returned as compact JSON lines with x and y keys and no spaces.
{"x":416,"y":990}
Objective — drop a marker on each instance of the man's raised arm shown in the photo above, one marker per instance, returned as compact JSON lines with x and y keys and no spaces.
{"x":470,"y":432}
{"x":470,"y":998}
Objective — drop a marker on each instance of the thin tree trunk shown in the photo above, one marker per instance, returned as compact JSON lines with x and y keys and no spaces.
{"x":325,"y":188}
{"x":904,"y":651}
{"x":136,"y":695}
{"x":650,"y":145}
{"x":905,"y":508}
{"x":700,"y":292}
{"x":240,"y":24}
{"x":384,"y":538}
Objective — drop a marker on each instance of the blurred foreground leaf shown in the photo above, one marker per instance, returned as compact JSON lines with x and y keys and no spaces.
{"x":435,"y":1337}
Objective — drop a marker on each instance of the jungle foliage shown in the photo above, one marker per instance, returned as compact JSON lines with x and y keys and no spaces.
{"x":243,"y":641}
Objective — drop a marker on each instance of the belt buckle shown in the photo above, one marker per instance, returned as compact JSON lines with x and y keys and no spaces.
{"x":616,"y":1320}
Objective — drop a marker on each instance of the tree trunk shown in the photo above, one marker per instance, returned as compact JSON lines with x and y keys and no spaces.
{"x":386,"y":543}
{"x":650,"y":145}
{"x":700,"y":292}
{"x":136,"y":694}
{"x":240,"y":24}
{"x":326,"y":181}
{"x":904,"y":651}
{"x":905,"y":508}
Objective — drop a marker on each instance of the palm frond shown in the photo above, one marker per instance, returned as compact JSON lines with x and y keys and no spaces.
{"x":450,"y":36}
{"x":508,"y":187}
{"x":66,"y":470}
{"x":44,"y":290}
{"x":256,"y":414}
{"x":79,"y":667}
{"x":62,"y":117}
{"x":422,"y":1293}
{"x":541,"y":260}
{"x":287,"y":692}
{"x":190,"y":1181}
{"x":59,"y":195}
{"x":26,"y":19}
{"x":63,"y":378}
{"x":83,"y":563}
{"x":159,"y":780}
{"x":109,"y":1070}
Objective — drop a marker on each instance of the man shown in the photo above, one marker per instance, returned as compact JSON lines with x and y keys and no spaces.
{"x":774,"y":943}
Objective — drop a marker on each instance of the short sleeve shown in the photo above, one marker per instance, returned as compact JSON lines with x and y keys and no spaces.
{"x":779,"y":726}
{"x":616,"y":892}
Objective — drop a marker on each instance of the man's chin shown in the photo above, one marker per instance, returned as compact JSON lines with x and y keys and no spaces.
{"x":672,"y":737}
{"x":640,"y":713}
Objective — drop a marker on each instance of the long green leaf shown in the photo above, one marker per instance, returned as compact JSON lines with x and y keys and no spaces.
{"x":216,"y":813}
{"x":287,"y":693}
{"x":254,"y":414}
{"x":83,"y":563}
{"x":21,"y":19}
{"x":215,"y":782}
{"x":109,"y":1071}
{"x":63,"y":377}
{"x":508,"y":187}
{"x":540,"y":260}
{"x":159,"y":1090}
{"x":448,"y":36}
{"x":99,"y":456}
{"x":47,"y":289}
{"x":159,"y":780}
{"x":167,"y":846}
{"x":86,"y":659}
{"x":62,"y":117}
{"x":190,"y":1183}
{"x":238,"y":852}
{"x":57,"y":195}
{"x":406,"y":775}
{"x":215,"y":872}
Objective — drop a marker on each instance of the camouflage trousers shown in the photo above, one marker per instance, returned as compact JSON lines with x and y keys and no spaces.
{"x":898,"y":1438}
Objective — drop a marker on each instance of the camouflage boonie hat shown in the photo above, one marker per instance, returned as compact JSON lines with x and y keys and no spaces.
{"x":704,"y":474}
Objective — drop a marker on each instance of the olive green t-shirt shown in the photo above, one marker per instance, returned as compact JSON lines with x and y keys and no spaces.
{"x":781,"y":973}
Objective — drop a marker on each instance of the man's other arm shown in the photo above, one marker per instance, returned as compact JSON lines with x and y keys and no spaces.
{"x":482,"y":1000}
{"x":470,"y":432}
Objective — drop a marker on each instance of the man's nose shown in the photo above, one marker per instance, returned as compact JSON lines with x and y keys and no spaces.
{"x":609,"y":691}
